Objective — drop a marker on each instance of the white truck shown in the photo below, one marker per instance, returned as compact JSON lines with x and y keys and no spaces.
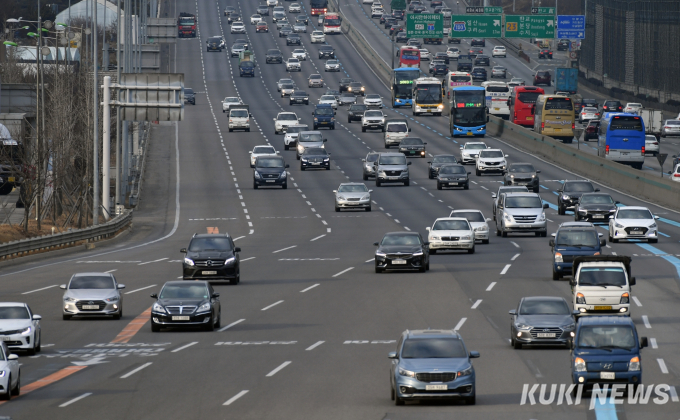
{"x":239,"y":118}
{"x":396,"y":129}
{"x":601,"y":285}
{"x":653,"y":119}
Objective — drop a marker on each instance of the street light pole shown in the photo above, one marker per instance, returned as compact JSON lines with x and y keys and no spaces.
{"x":118,"y":24}
{"x":95,"y":144}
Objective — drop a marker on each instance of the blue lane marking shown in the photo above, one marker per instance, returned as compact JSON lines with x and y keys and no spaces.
{"x":544,"y":187}
{"x":663,"y":234}
{"x":556,"y":193}
{"x":552,"y":206}
{"x":671,"y":259}
{"x":670,"y":222}
{"x":441,"y":134}
{"x":454,"y":141}
{"x":606,"y":410}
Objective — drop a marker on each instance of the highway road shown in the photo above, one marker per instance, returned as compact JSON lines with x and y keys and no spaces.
{"x":307,"y":331}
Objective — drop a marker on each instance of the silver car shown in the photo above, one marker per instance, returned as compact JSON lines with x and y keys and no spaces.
{"x":20,"y":327}
{"x":521,"y":213}
{"x":499,"y":71}
{"x":282,"y":82}
{"x":10,"y":379}
{"x":477,"y":221}
{"x":670,"y":128}
{"x":352,"y":195}
{"x":92,"y":294}
{"x":309,"y":139}
{"x":332,"y":65}
{"x":237,"y":49}
{"x":347,"y":98}
{"x":373,"y":100}
{"x":367,"y":164}
{"x":287,"y":90}
{"x":300,"y":27}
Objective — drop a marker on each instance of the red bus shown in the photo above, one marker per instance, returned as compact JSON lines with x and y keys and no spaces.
{"x":409,"y":56}
{"x":318,"y":7}
{"x":521,"y":101}
{"x":331,"y":23}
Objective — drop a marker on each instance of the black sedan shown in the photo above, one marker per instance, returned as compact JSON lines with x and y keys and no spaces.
{"x":543,"y":320}
{"x":270,"y":171}
{"x":389,"y":22}
{"x":326,"y":51}
{"x":478,"y":74}
{"x":412,"y":146}
{"x":384,"y":17}
{"x":453,"y":175}
{"x":234,"y":17}
{"x":402,"y":251}
{"x":299,"y":97}
{"x":570,"y":192}
{"x":356,"y":112}
{"x":315,"y":158}
{"x":211,"y":257}
{"x":401,"y":38}
{"x":186,"y":304}
{"x":357,"y":88}
{"x":273,"y":56}
{"x":285,"y":32}
{"x":442,"y":55}
{"x":437,"y":162}
{"x":302,"y":19}
{"x":293,"y":39}
{"x":214,"y":44}
{"x":344,"y":83}
{"x":595,"y":208}
{"x":439,"y":69}
{"x":545,"y":53}
{"x":474,"y":52}
{"x":478,"y":42}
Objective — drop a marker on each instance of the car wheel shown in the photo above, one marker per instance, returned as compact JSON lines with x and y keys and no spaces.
{"x":210,"y":326}
{"x":407,"y":183}
{"x":218,"y":323}
{"x":155,"y":328}
{"x":368,"y":208}
{"x":284,"y":186}
{"x":422,"y":269}
{"x":377,"y":183}
{"x":471,"y":400}
{"x":477,"y":172}
{"x":560,"y":210}
{"x":337,"y":209}
{"x":66,"y":317}
{"x":8,"y":393}
{"x":466,"y":187}
{"x":439,"y":186}
{"x":378,"y":269}
{"x":349,"y":121}
{"x":17,"y":389}
{"x":556,"y":275}
{"x":471,"y":251}
{"x":653,"y":241}
{"x":286,"y":147}
{"x":302,"y":168}
{"x":254,"y":185}
{"x":504,"y":234}
{"x":363,"y":129}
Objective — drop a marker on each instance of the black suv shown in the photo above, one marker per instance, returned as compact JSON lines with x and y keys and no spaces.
{"x":189,"y":96}
{"x":293,"y":39}
{"x":270,"y":171}
{"x":563,"y":45}
{"x":344,"y":83}
{"x":478,"y":43}
{"x":273,"y":56}
{"x":356,"y":112}
{"x":594,"y":208}
{"x":398,"y":14}
{"x":299,"y":97}
{"x":570,"y":192}
{"x":522,"y":174}
{"x":612,"y":106}
{"x":326,"y":51}
{"x":211,"y":257}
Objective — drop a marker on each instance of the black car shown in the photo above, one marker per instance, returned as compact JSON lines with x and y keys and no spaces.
{"x":522,"y":174}
{"x":437,"y":162}
{"x":286,"y":31}
{"x":398,"y":14}
{"x":214,"y":44}
{"x":482,"y":60}
{"x":590,"y":103}
{"x":439,"y":68}
{"x":401,"y":38}
{"x":234,"y":17}
{"x":442,"y":55}
{"x":453,"y":175}
{"x":326,"y":51}
{"x":419,"y":9}
{"x":595,"y":208}
{"x":543,"y":320}
{"x":315,"y":158}
{"x":402,"y":251}
{"x":273,"y":56}
{"x":570,"y":192}
{"x":477,"y":42}
{"x":591,"y":131}
{"x":474,"y":52}
{"x":299,"y":97}
{"x":229,"y":10}
{"x":396,"y":28}
{"x":412,"y":146}
{"x":263,"y":10}
{"x":302,"y":19}
{"x":389,"y":22}
{"x":357,"y":88}
{"x":563,"y":45}
{"x":211,"y":257}
{"x":270,"y":171}
{"x":384,"y":17}
{"x":190,"y":96}
{"x":186,"y":304}
{"x":344,"y":83}
{"x":293,"y":39}
{"x":545,"y":53}
{"x":612,"y":106}
{"x":356,"y":112}
{"x":478,"y":74}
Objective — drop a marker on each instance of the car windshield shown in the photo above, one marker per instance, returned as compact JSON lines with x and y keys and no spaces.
{"x":287,"y":86}
{"x":92,"y":282}
{"x":602,"y":276}
{"x":596,"y":199}
{"x":314,"y":151}
{"x":264,"y":150}
{"x":401,"y":240}
{"x":444,"y":159}
{"x":397,"y":128}
{"x":453,"y":169}
{"x":324,"y":111}
{"x":311,"y":137}
{"x":238,"y":46}
{"x":451,"y":225}
{"x":331,"y":62}
{"x":232,"y":100}
{"x":544,"y":307}
{"x":188,"y":91}
{"x":373,"y":114}
{"x":433,"y":348}
{"x":393,"y":160}
{"x":14,"y":312}
{"x":353,"y":188}
{"x":372,"y":157}
{"x":287,"y":117}
{"x":293,"y":129}
{"x":607,"y":337}
{"x":672,"y":122}
{"x":210,"y":244}
{"x":502,"y":190}
{"x":579,"y":187}
{"x":293,"y":60}
{"x":412,"y":142}
{"x":634,"y":214}
{"x":589,"y":110}
{"x":471,"y":216}
{"x":269,"y":163}
{"x":273,"y":52}
{"x":300,"y":93}
{"x":357,"y":108}
{"x":247,"y":64}
{"x":372,"y":96}
{"x":184,"y":291}
{"x":522,"y":168}
{"x":524,"y":202}
{"x":587,"y":238}
{"x":239,"y":113}
{"x":327,"y":98}
{"x":475,"y":146}
{"x":626,"y":123}
{"x":558,"y":103}
{"x":491,"y":154}
{"x":300,"y":51}
{"x":214,"y":39}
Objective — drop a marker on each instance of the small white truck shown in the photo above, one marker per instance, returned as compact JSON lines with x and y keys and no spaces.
{"x":239,"y":118}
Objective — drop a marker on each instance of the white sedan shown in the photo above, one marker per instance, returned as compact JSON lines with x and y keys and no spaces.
{"x":255,"y":19}
{"x":498,"y":51}
{"x":9,"y":366}
{"x":588,"y":113}
{"x":453,"y":52}
{"x":238,"y":28}
{"x":373,"y":100}
{"x":261,"y":151}
{"x":477,"y":221}
{"x":424,"y":54}
{"x":328,"y":100}
{"x":675,"y":173}
{"x":632,"y":108}
{"x":293,"y":64}
{"x":332,"y":65}
{"x":300,"y":54}
{"x":20,"y":327}
{"x":294,"y":8}
{"x":651,"y":144}
{"x":229,"y":101}
{"x":318,"y":37}
{"x":272,"y":3}
{"x":633,"y":223}
{"x":451,"y":233}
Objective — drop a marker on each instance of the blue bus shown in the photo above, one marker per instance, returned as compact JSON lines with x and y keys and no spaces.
{"x":468,"y":111}
{"x":402,"y":85}
{"x":622,"y":139}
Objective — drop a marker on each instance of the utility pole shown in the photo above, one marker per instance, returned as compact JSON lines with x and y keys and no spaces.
{"x":95,"y":139}
{"x":118,"y":34}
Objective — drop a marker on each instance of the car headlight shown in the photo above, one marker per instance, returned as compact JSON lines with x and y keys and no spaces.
{"x":69,"y":299}
{"x":580,"y":299}
{"x":583,"y":211}
{"x":580,"y":365}
{"x":366,"y":197}
{"x":158,"y":308}
{"x":283,"y":174}
{"x":465,"y":238}
{"x":512,"y":176}
{"x":565,"y":197}
{"x":568,"y":326}
{"x":257,"y":175}
{"x":533,"y":176}
{"x":380,"y":254}
{"x":558,"y":257}
{"x":618,"y":225}
{"x":189,"y":261}
{"x":230,"y":261}
{"x":303,"y":159}
{"x":507,"y":217}
{"x":204,"y":308}
{"x":634,"y":364}
{"x":522,"y":326}
{"x":418,"y":254}
{"x":404,"y":372}
{"x":2,"y":373}
{"x":342,"y":198}
{"x":481,"y":228}
{"x":440,"y":106}
{"x":624,"y":299}
{"x":112,"y":299}
{"x":434,"y":238}
{"x":541,"y":218}
{"x":465,"y":372}
{"x":326,"y":159}
{"x":26,"y":331}
{"x":653,"y":226}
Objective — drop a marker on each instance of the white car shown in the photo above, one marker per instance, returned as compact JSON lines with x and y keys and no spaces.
{"x":651,"y":144}
{"x":367,"y":1}
{"x":300,"y":54}
{"x":588,"y":113}
{"x":470,"y":150}
{"x":377,"y":4}
{"x":451,"y":233}
{"x":477,"y":221}
{"x":283,"y":120}
{"x":373,"y":100}
{"x":632,"y":108}
{"x":318,"y":37}
{"x":229,"y":101}
{"x":424,"y":54}
{"x":332,"y":65}
{"x":670,"y":128}
{"x":633,"y":223}
{"x":499,"y":51}
{"x":285,"y":81}
{"x":272,"y":3}
{"x":20,"y":327}
{"x":261,"y":151}
{"x":294,"y":8}
{"x":329,"y":100}
{"x":453,"y":52}
{"x":10,"y":379}
{"x":255,"y":19}
{"x":300,"y":28}
{"x":238,"y":28}
{"x":675,"y":173}
{"x":293,"y":64}
{"x":292,"y":133}
{"x":377,"y":12}
{"x":373,"y":119}
{"x":491,"y":160}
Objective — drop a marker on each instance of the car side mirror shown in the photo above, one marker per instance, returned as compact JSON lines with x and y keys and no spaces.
{"x":312,"y":112}
{"x":538,"y":171}
{"x":656,"y":217}
{"x":154,"y":295}
{"x":545,"y":206}
{"x":427,"y":228}
{"x":644,"y":342}
{"x":274,"y":119}
{"x":469,"y":174}
{"x":533,"y":109}
{"x":461,"y":147}
{"x":12,"y":357}
{"x":572,"y":282}
{"x":287,"y":165}
{"x":597,"y":189}
{"x":669,"y":172}
{"x":611,"y":216}
{"x":215,"y":295}
{"x":603,"y":242}
{"x":237,"y":249}
{"x":370,"y":191}
{"x":392,"y":355}
{"x":408,"y":163}
{"x":474,"y":355}
{"x":37,"y":317}
{"x":363,"y":160}
{"x":376,"y":243}
{"x":512,"y":311}
{"x":493,"y":195}
{"x":409,"y":130}
{"x":183,"y":250}
{"x":121,"y":286}
{"x":325,"y":140}
{"x":299,"y":119}
{"x":487,"y":118}
{"x":426,"y":243}
{"x":551,"y":242}
{"x":335,"y":191}
{"x":63,"y":286}
{"x":632,"y":281}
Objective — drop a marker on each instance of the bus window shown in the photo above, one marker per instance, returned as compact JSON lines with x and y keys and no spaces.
{"x":626,"y":123}
{"x":558,"y":104}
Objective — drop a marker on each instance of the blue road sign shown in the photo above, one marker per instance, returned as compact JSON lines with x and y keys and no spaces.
{"x":570,"y":34}
{"x":574,"y":22}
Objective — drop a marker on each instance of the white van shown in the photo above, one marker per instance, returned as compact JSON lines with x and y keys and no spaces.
{"x":601,"y":285}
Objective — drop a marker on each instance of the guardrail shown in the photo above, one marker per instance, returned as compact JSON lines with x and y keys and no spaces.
{"x":45,"y":243}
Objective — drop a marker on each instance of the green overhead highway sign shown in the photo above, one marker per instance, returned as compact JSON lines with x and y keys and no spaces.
{"x":528,"y":26}
{"x":425,"y":25}
{"x":482,"y":9}
{"x":542,"y":10}
{"x":466,"y":26}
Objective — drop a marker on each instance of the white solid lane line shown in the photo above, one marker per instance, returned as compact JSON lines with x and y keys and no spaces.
{"x":318,"y":237}
{"x":231,"y":325}
{"x":637,"y":302}
{"x":236,"y":397}
{"x":460,"y":324}
{"x":38,"y":290}
{"x":137,"y":290}
{"x":315,"y":345}
{"x":493,"y":283}
{"x":111,"y":271}
{"x":283,"y":365}
{"x":372,"y":259}
{"x":67,"y":403}
{"x":149,"y":262}
{"x":185,"y":346}
{"x":476,"y":304}
{"x":506,"y":268}
{"x":290,"y":247}
{"x":309,"y":288}
{"x":343,"y":272}
{"x":271,"y":306}
{"x":645,"y":319}
{"x":662,"y":366}
{"x":515,"y":257}
{"x":132,"y":372}
{"x":246,"y":259}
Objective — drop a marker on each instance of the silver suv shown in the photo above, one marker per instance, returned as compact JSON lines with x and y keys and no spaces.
{"x":391,"y":167}
{"x":309,"y":139}
{"x":520,"y":212}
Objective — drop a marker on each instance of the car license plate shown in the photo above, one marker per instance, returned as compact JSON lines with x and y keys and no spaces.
{"x":180,"y":318}
{"x":603,"y":308}
{"x":10,"y":179}
{"x":316,"y":163}
{"x":624,"y":153}
{"x":545,"y":335}
{"x":207,"y":273}
{"x":607,"y":375}
{"x":392,"y":177}
{"x":558,"y":130}
{"x":453,"y":183}
{"x":469,"y":133}
{"x":436,"y":388}
{"x":90,"y":306}
{"x":530,"y":118}
{"x":598,"y":216}
{"x":398,"y":261}
{"x":6,"y":338}
{"x":497,"y":109}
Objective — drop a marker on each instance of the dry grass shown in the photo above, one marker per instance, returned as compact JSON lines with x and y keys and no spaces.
{"x":15,"y":232}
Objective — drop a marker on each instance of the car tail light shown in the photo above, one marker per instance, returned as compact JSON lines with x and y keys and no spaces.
{"x":572,"y":126}
{"x":606,"y":150}
{"x":193,"y":26}
{"x":542,"y":126}
{"x":676,"y":175}
{"x":643,"y":150}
